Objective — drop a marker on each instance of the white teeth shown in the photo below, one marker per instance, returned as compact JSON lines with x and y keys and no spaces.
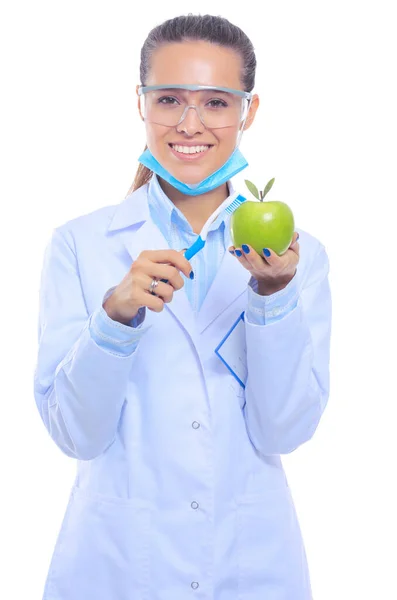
{"x":190,"y":149}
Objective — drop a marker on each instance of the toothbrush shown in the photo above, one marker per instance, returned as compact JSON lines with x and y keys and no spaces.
{"x":229,"y":207}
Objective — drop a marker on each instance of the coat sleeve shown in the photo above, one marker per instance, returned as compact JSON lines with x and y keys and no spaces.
{"x":288,"y":380}
{"x":79,"y":383}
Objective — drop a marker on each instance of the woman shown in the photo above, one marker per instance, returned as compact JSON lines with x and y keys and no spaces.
{"x":180,"y":490}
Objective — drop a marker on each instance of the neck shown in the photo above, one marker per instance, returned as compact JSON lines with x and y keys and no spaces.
{"x":196,"y":209}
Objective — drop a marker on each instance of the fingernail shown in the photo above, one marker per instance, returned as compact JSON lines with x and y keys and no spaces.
{"x":191,"y":275}
{"x":231,"y":251}
{"x":238,"y":252}
{"x":297,"y":237}
{"x":245,"y":248}
{"x":266,"y":252}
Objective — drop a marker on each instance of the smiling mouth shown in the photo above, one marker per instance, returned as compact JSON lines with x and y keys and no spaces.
{"x":199,"y":149}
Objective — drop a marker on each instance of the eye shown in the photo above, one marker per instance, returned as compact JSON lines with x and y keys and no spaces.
{"x":216,"y":103}
{"x":167,"y":100}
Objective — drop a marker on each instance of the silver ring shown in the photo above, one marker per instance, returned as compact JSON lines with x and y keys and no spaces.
{"x":153,"y":285}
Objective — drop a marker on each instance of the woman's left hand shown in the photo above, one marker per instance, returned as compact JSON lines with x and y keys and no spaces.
{"x":272,"y":272}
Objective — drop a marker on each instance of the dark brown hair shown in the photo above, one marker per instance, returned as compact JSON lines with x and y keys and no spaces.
{"x":208,"y":28}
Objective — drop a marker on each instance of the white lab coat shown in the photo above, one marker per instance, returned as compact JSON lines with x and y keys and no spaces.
{"x":180,"y":490}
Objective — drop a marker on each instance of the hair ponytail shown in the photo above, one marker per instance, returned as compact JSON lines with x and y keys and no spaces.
{"x":142,"y":176}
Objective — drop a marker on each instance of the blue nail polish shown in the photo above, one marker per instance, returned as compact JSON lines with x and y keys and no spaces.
{"x":231,"y":251}
{"x":266,"y":252}
{"x":297,"y":237}
{"x":245,"y":248}
{"x":191,"y":275}
{"x":238,"y":252}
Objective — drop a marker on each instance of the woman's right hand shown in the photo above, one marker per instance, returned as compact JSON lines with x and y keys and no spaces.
{"x":132,"y":293}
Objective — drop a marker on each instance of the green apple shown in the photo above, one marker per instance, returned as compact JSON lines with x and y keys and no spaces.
{"x":262,"y":224}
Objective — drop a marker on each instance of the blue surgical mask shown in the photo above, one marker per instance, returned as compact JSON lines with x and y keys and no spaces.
{"x":232,"y":166}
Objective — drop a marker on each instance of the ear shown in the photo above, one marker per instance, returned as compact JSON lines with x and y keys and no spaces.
{"x":252,"y":111}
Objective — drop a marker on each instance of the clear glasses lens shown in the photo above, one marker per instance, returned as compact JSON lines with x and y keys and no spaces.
{"x":215,"y":109}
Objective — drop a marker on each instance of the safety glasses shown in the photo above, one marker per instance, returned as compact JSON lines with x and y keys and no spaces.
{"x":216,"y":107}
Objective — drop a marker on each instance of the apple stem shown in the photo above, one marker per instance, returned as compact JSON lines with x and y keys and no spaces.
{"x":261,"y":194}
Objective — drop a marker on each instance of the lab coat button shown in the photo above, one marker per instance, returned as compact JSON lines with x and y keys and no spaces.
{"x":195,"y":425}
{"x":194,"y":505}
{"x":195,"y":585}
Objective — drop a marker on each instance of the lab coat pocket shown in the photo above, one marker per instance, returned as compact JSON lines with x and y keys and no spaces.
{"x":271,"y":556}
{"x":102,"y":550}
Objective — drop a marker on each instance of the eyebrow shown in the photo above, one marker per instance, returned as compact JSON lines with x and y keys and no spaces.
{"x":169,"y":90}
{"x":212,"y":90}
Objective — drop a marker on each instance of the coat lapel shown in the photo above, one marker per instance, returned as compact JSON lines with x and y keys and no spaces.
{"x":230,"y":282}
{"x":135,"y":231}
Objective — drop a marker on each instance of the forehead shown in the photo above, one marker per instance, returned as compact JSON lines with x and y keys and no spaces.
{"x":200,"y":63}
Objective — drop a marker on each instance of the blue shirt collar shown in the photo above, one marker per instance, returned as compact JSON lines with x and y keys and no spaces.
{"x":165,"y":212}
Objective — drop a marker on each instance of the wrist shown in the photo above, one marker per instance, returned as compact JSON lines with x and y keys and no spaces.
{"x":267,"y":288}
{"x":114,"y":315}
{"x":264,"y":289}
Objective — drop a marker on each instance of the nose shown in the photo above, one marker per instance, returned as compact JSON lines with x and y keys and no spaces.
{"x":191,"y":121}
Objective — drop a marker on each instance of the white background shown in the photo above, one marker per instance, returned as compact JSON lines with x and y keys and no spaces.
{"x":326,"y":130}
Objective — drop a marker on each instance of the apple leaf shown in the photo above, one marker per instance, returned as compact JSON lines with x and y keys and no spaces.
{"x":268,"y":187}
{"x":252,"y":188}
